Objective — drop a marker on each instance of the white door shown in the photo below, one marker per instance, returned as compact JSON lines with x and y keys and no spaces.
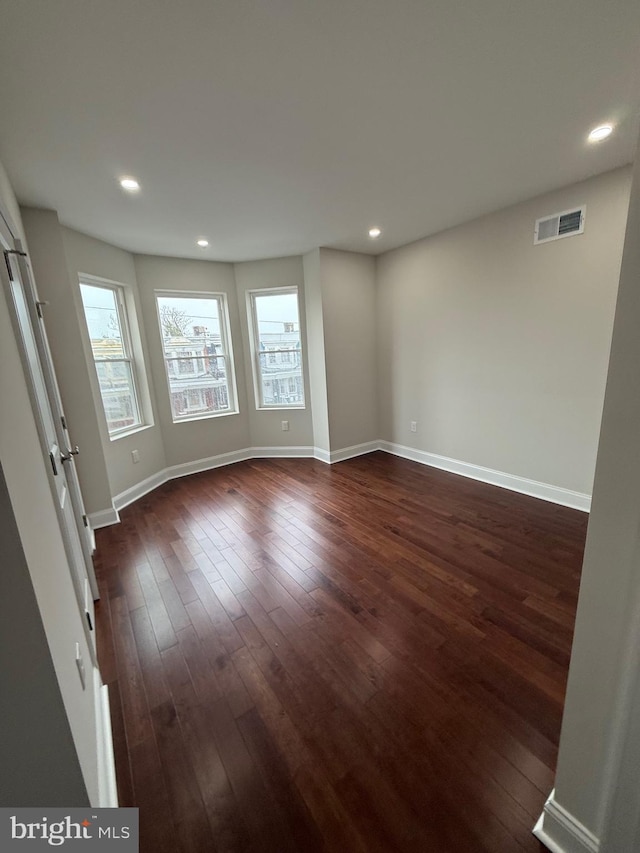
{"x":54,"y":454}
{"x":38,"y":322}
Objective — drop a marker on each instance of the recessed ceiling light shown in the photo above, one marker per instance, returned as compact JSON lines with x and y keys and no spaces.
{"x":130,"y":185}
{"x":374,"y":232}
{"x":600,"y":133}
{"x":202,"y":243}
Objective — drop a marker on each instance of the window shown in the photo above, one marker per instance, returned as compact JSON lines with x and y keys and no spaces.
{"x":106,"y":316}
{"x":277,"y":348}
{"x":197,"y":354}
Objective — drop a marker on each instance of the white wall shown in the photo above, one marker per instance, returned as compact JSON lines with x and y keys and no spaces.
{"x":39,"y":762}
{"x":87,"y":255}
{"x":348,"y":287}
{"x":56,"y":286}
{"x":316,"y":351}
{"x":604,"y":661}
{"x":58,"y":256}
{"x":9,"y":208}
{"x":498,"y":349}
{"x":265,"y":426}
{"x":340,"y":293}
{"x":198,"y":439}
{"x":42,"y":546}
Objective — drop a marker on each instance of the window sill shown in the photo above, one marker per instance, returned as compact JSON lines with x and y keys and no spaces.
{"x":280,"y":408}
{"x":206,"y":417}
{"x":128,"y":432}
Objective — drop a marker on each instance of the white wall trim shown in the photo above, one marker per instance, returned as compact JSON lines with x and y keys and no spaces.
{"x":561,"y":832}
{"x":553,"y":494}
{"x":107,"y":788}
{"x":302,"y":452}
{"x":103,"y":518}
{"x":143,"y":488}
{"x":140,"y":489}
{"x":198,"y":465}
{"x":353,"y":450}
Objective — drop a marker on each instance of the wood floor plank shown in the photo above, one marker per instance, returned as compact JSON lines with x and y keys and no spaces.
{"x":255,"y":801}
{"x":300,"y":826}
{"x":227,"y":678}
{"x":157,"y":828}
{"x":201,"y":672}
{"x":165,"y":634}
{"x":180,"y":579}
{"x":189,"y":815}
{"x":369,"y":656}
{"x":135,"y":708}
{"x":216,"y":612}
{"x":149,"y":657}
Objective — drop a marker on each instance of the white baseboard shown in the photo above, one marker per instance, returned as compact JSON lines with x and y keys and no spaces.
{"x":107,"y":788}
{"x":350,"y":452}
{"x":554,"y":494}
{"x":207,"y":464}
{"x":302,"y":452}
{"x":143,"y":488}
{"x":103,"y":518}
{"x":322,"y":455}
{"x":140,"y":489}
{"x":559,"y":830}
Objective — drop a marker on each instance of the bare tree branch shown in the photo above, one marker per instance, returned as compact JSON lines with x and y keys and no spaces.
{"x":175,"y":322}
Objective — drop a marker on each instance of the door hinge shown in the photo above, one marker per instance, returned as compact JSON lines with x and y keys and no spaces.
{"x":85,"y":520}
{"x":64,"y":423}
{"x":7,"y":261}
{"x":88,"y":615}
{"x":39,"y":308}
{"x":53,"y":464}
{"x":8,"y":264}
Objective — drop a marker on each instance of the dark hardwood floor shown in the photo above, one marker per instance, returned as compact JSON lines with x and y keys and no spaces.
{"x":364,"y":657}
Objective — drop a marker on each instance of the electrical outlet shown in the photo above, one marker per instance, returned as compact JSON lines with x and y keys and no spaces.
{"x":285,"y":426}
{"x":413,"y":426}
{"x":135,"y":455}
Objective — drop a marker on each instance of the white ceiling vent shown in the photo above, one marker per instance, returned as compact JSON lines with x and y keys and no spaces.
{"x":564,"y":224}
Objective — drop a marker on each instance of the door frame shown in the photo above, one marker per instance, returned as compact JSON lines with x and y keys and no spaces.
{"x":70,"y":535}
{"x":38,"y":324}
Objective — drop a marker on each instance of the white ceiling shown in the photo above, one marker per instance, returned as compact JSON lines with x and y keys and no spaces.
{"x":274,"y":126}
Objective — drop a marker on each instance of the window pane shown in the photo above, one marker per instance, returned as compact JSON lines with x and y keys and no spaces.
{"x":196,"y":357}
{"x":108,"y":335}
{"x":284,"y":388}
{"x":103,"y":321}
{"x":118,"y":395}
{"x":279,"y":347}
{"x":204,"y":390}
{"x":189,"y":319}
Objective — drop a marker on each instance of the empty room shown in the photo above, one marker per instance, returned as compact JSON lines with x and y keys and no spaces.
{"x":320,"y":479}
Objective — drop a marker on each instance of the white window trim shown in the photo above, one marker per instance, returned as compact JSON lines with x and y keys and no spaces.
{"x":134,"y":359}
{"x":225,"y":335}
{"x":254,"y":346}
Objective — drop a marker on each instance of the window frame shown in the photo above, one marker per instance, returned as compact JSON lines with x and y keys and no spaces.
{"x":120,"y":291}
{"x":256,"y":352}
{"x":227,"y":354}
